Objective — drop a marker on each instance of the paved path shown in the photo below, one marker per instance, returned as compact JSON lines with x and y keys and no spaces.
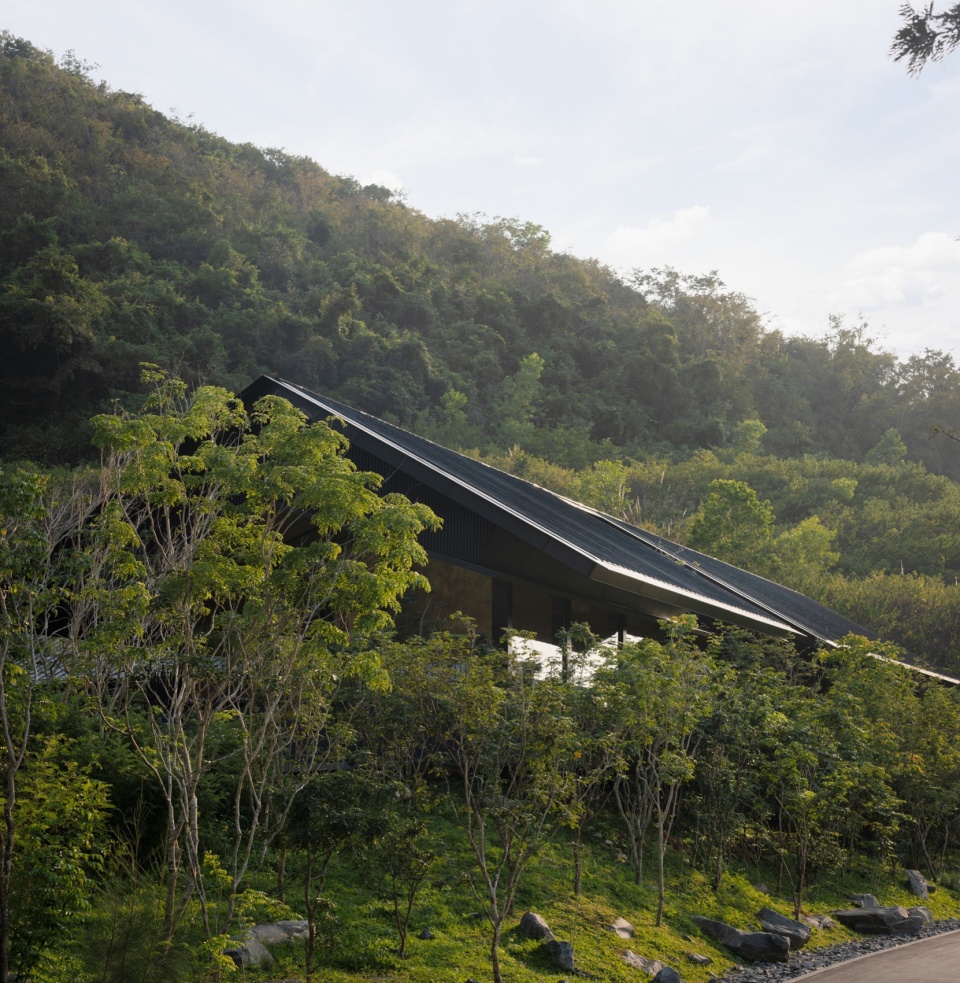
{"x":934,"y":960}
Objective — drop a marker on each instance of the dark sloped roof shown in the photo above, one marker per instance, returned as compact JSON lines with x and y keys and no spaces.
{"x":804,"y":614}
{"x":606,"y":549}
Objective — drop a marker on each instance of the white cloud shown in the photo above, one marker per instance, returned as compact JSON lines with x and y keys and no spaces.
{"x":659,"y":241}
{"x":386,"y":179}
{"x":921,"y":274}
{"x":520,"y":161}
{"x":909,"y":293}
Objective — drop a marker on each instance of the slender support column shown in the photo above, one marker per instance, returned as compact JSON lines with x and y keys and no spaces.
{"x":502,"y":604}
{"x":562,"y":619}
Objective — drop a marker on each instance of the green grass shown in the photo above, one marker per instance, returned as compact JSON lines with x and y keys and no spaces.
{"x":460,"y":948}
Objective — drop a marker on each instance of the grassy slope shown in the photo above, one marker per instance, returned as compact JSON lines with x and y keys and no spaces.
{"x":460,"y":948}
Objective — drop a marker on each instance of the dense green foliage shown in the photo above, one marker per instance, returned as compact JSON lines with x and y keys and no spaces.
{"x":128,"y":237}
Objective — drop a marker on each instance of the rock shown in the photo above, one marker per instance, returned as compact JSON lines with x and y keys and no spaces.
{"x":562,"y":953}
{"x":426,"y":935}
{"x":277,"y":933}
{"x":756,"y":946}
{"x":697,"y":959}
{"x":762,"y":888}
{"x":622,"y":927}
{"x":651,"y":966}
{"x":797,"y":934}
{"x":888,"y":920}
{"x":248,"y":954}
{"x":912,"y":925}
{"x":918,"y":883}
{"x":251,"y":950}
{"x":823,"y":922}
{"x":863,"y":900}
{"x":667,"y":975}
{"x":533,"y":926}
{"x":923,"y":911}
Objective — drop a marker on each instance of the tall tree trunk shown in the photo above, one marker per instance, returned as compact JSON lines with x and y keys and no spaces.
{"x":801,"y":880}
{"x":577,"y":860}
{"x":282,"y":875}
{"x":7,"y":874}
{"x":310,"y":903}
{"x":172,"y":876}
{"x":495,"y":952}
{"x":661,"y":849}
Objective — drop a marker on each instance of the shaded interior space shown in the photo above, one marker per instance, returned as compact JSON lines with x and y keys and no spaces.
{"x":460,"y":596}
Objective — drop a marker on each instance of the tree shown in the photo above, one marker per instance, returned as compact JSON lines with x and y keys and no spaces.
{"x":730,"y":805}
{"x":507,"y":735}
{"x":593,"y":760}
{"x":926,"y":36}
{"x":60,"y":828}
{"x":334,"y":815}
{"x":237,"y":565}
{"x":40,"y":515}
{"x":889,"y":449}
{"x":733,"y":525}
{"x":403,"y":857}
{"x":827,"y":765}
{"x":656,"y":695}
{"x":928,"y":776}
{"x":517,"y":398}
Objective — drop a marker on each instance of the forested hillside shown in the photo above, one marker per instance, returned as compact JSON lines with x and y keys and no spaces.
{"x":129,"y":237}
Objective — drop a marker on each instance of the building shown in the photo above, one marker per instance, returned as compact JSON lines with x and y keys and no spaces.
{"x":513,"y":555}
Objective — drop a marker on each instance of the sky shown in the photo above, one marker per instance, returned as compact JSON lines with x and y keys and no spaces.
{"x":776,"y":143}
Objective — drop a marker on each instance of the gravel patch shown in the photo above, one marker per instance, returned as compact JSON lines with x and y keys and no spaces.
{"x":807,"y":961}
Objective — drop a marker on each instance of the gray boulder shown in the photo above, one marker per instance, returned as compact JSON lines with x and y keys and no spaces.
{"x":621,"y":927}
{"x":763,"y":947}
{"x":248,"y":954}
{"x":533,"y":926}
{"x":823,"y":922}
{"x":886,"y":920}
{"x":277,"y":933}
{"x":667,"y":975}
{"x":561,"y":953}
{"x":697,"y":959}
{"x":251,"y":950}
{"x":923,"y":911}
{"x":863,"y":900}
{"x":651,"y":966}
{"x":918,"y":884}
{"x":912,"y":925}
{"x":797,"y":934}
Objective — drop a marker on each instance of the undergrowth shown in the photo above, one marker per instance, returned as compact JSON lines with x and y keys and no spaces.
{"x":363,"y":939}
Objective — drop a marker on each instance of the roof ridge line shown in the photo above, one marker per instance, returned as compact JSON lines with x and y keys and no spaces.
{"x":713,"y":578}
